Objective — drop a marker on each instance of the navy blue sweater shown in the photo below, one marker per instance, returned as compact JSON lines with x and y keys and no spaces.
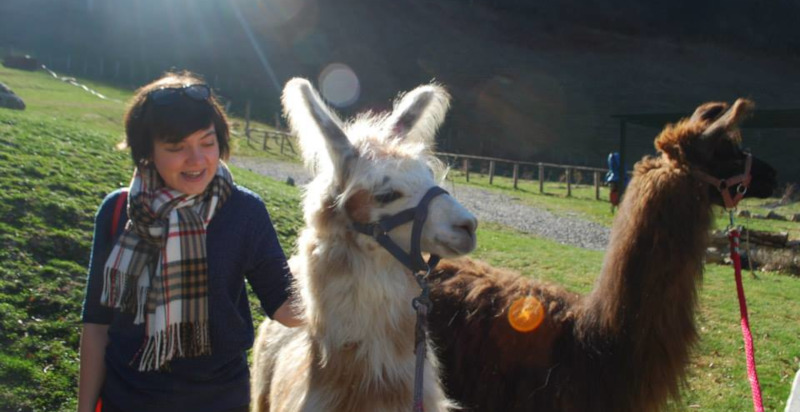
{"x":241,"y":243}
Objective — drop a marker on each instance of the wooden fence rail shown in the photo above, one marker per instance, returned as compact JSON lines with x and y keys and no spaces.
{"x":569,"y":170}
{"x":284,"y":140}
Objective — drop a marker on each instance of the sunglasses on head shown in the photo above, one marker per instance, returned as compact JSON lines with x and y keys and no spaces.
{"x":170,"y":95}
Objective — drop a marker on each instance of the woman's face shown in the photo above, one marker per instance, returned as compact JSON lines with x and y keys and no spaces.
{"x":189,"y":165}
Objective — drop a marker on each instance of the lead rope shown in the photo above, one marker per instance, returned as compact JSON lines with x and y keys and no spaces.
{"x":752,"y":375}
{"x":422,"y":304}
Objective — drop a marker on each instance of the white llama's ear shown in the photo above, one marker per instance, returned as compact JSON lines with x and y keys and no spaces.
{"x":314,"y":123}
{"x":418,"y":114}
{"x":731,"y":118}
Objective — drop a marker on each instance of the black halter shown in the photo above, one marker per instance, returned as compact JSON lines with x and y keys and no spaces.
{"x":380,"y":232}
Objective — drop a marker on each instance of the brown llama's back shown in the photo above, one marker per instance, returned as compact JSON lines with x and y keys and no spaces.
{"x":513,"y":370}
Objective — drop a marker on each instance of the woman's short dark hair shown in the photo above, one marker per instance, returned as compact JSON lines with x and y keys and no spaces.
{"x":146,"y":122}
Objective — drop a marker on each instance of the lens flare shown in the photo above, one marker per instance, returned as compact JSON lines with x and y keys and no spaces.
{"x":339,"y":85}
{"x":526,"y":314}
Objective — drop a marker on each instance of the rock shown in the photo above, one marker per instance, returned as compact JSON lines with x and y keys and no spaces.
{"x":774,"y":216}
{"x":290,"y":181}
{"x":743,"y":213}
{"x":713,"y":255}
{"x":10,"y":100}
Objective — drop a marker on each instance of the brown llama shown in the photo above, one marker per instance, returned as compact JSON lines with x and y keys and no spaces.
{"x":626,"y":345}
{"x":356,"y":350}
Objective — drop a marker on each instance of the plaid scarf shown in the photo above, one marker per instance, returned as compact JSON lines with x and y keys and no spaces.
{"x":158,"y":269}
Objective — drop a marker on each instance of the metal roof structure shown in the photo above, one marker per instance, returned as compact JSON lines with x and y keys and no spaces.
{"x":759,"y":119}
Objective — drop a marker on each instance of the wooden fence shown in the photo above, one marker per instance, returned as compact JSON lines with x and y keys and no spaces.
{"x":279,"y":137}
{"x":597,"y":173}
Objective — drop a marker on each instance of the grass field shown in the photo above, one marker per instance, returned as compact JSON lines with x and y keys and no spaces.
{"x":58,"y":160}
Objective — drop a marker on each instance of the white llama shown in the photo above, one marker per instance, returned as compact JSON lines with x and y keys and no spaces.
{"x":356,"y":352}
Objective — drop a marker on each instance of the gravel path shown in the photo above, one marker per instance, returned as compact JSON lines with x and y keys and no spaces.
{"x":486,"y":205}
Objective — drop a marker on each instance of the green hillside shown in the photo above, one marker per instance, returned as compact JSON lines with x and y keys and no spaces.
{"x":58,"y":160}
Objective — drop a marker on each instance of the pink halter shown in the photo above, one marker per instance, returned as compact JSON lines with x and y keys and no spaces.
{"x":742,"y":182}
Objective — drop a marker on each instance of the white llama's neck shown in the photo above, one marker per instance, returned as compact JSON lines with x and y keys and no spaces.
{"x":357,"y":296}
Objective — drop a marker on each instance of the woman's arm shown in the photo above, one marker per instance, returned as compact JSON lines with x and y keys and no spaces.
{"x":289,"y":314}
{"x":94,"y":339}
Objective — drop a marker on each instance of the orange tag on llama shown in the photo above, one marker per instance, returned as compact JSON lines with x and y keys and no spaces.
{"x":526,"y":314}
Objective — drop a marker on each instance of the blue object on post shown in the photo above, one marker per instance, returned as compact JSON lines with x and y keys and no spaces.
{"x":613,"y":174}
{"x":613,"y":179}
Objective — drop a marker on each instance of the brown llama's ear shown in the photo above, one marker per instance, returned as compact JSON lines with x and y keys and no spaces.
{"x":668,"y":142}
{"x":738,"y":112}
{"x":419,"y":113}
{"x":708,"y":112}
{"x":317,"y":129}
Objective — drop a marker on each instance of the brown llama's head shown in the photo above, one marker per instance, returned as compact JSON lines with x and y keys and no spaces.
{"x":709,"y":142}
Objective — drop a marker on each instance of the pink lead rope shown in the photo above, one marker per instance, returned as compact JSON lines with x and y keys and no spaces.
{"x":740,"y":183}
{"x":752,"y":375}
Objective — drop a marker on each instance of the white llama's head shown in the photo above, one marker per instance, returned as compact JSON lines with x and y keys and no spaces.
{"x":377,"y":165}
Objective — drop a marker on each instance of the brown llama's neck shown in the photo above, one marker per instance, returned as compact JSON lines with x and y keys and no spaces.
{"x":640,"y":317}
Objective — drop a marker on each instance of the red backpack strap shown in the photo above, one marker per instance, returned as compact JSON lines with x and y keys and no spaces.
{"x":121,"y":201}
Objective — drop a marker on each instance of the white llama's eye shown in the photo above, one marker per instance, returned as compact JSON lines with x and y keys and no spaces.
{"x":387,"y":197}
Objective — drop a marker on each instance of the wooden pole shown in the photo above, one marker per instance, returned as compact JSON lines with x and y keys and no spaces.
{"x":247,"y":122}
{"x":264,"y":146}
{"x":283,"y":140}
{"x":596,"y":185}
{"x":569,"y":182}
{"x":466,"y":169}
{"x":541,"y":178}
{"x":491,"y":171}
{"x":516,"y":174}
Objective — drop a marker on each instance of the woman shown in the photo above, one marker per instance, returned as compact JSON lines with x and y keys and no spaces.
{"x":166,"y":318}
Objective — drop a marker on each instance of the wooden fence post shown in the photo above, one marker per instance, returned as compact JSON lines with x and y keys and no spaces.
{"x":541,"y":178}
{"x":264,"y":146}
{"x":569,"y":182}
{"x":516,"y":174}
{"x":491,"y":171}
{"x":283,"y":140}
{"x":596,"y":185}
{"x":247,"y":121}
{"x":466,"y":169}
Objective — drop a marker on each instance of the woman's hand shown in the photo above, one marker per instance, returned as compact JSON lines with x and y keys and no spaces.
{"x":290,"y":313}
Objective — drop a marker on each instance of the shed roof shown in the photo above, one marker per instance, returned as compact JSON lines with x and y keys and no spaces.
{"x":760,"y":119}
